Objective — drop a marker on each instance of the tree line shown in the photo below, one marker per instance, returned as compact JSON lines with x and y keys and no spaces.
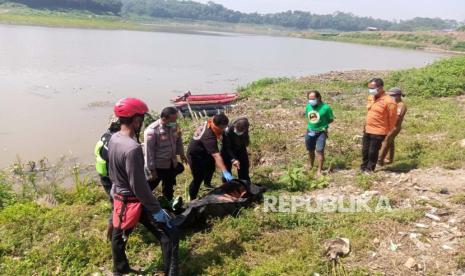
{"x":291,"y":19}
{"x":190,"y":10}
{"x":98,"y":6}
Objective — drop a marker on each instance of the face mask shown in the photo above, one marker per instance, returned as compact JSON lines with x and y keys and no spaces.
{"x":373,"y":91}
{"x":313,"y":102}
{"x":171,"y":124}
{"x":238,"y":133}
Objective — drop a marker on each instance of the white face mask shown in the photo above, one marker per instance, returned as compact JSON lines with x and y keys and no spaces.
{"x":373,"y":91}
{"x":313,"y":102}
{"x":238,"y":133}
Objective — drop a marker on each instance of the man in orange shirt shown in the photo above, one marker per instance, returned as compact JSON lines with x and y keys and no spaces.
{"x":381,"y":120}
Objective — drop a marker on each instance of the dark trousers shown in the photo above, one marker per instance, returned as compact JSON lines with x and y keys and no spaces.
{"x":371,"y":145}
{"x":168,"y":238}
{"x":243,"y":158}
{"x":106,"y":184}
{"x":168,"y":179}
{"x":202,"y":171}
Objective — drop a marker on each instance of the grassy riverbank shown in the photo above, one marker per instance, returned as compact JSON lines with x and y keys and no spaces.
{"x":431,"y":41}
{"x":21,"y":15}
{"x":50,"y":231}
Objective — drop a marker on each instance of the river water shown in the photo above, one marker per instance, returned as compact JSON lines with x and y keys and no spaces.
{"x":57,"y":85}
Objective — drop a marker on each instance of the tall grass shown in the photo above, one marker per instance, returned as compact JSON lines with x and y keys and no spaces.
{"x":441,"y":79}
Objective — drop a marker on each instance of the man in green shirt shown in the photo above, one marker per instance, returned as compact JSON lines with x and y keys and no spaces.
{"x":319,"y":116}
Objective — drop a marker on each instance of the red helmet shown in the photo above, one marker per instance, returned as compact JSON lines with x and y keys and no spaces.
{"x":129,"y":107}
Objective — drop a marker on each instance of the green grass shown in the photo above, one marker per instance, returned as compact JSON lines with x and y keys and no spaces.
{"x":21,"y":15}
{"x":441,"y":79}
{"x":408,"y":40}
{"x":458,"y":199}
{"x":68,"y":240}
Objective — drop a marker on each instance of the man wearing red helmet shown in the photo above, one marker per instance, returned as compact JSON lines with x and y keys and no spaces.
{"x":133,"y":198}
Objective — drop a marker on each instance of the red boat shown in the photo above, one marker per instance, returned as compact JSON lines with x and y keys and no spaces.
{"x":204,"y":99}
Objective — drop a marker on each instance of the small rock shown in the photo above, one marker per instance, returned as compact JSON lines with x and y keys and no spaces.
{"x":421,"y":189}
{"x":443,"y":213}
{"x":376,"y":241}
{"x":433,"y":217}
{"x":446,"y":247}
{"x":420,"y":245}
{"x":421,"y":225}
{"x":424,"y":198}
{"x":444,"y":191}
{"x":393,"y":247}
{"x":411,"y":263}
{"x":370,"y":194}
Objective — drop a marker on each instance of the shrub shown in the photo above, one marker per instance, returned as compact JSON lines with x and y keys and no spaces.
{"x":297,"y":179}
{"x":459,"y":46}
{"x":441,"y":79}
{"x":7,"y":196}
{"x":257,"y":87}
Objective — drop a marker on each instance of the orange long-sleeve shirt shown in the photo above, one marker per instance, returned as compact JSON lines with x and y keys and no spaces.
{"x":381,"y":116}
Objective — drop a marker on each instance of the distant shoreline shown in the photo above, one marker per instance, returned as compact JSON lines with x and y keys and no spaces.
{"x":437,"y":42}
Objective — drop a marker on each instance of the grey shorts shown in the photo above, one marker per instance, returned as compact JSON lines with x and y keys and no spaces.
{"x":315,"y":140}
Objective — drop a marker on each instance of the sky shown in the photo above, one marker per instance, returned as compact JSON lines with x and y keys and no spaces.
{"x":384,"y":9}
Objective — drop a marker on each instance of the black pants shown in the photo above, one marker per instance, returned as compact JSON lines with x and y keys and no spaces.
{"x":106,"y":184}
{"x":202,"y":169}
{"x":168,"y":179}
{"x":370,"y":151}
{"x":169,"y":241}
{"x":243,"y":158}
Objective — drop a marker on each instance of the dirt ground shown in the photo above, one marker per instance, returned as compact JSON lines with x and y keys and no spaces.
{"x":431,"y":245}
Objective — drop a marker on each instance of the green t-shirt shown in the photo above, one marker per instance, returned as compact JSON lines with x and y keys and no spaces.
{"x":319,"y":117}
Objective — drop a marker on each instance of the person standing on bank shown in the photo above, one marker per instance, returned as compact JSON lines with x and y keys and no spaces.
{"x":320,"y":116}
{"x":203,"y":153}
{"x":380,"y":122}
{"x":388,"y":147}
{"x":133,"y":199}
{"x":234,"y":149}
{"x":101,"y":165}
{"x":163,"y":145}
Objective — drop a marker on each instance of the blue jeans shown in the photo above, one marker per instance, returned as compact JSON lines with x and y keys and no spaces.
{"x":315,"y":140}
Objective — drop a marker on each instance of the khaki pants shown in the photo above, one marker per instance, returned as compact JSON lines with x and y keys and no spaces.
{"x":388,"y":148}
